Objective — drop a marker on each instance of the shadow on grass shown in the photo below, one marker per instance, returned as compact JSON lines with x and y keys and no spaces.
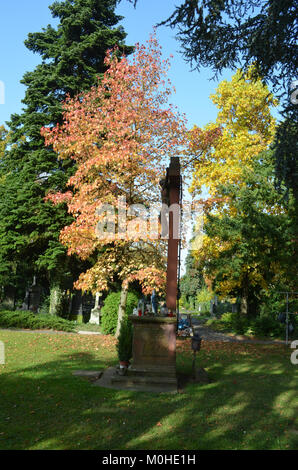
{"x":250,"y":404}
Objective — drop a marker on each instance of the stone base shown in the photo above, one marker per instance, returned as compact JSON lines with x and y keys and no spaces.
{"x":136,"y":383}
{"x":154,"y":356}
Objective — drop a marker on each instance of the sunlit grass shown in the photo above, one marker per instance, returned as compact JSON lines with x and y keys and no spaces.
{"x":251,"y":402}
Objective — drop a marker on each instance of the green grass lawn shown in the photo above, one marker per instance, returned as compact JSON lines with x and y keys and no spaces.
{"x":251,"y":402}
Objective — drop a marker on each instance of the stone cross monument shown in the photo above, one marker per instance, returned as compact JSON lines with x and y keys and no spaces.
{"x":174,"y":188}
{"x":154,"y":339}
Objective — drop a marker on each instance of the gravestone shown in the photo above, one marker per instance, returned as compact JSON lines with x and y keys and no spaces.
{"x":95,"y":312}
{"x":32,"y":297}
{"x":87,"y":305}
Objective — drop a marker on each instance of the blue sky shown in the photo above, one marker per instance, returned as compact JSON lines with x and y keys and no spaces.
{"x":19,"y":17}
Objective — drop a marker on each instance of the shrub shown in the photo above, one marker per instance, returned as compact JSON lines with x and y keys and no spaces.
{"x":124,"y":343}
{"x":267,"y":325}
{"x":132,"y":302}
{"x":204,"y":295}
{"x":109,"y":312}
{"x":32,"y":321}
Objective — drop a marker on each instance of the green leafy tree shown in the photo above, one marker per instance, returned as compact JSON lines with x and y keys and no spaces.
{"x":251,"y":249}
{"x":72,"y":59}
{"x":192,"y":281}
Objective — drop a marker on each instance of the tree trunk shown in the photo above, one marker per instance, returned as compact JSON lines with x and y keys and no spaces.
{"x":122,"y":308}
{"x":56,"y":296}
{"x":9,"y":297}
{"x":244,"y":297}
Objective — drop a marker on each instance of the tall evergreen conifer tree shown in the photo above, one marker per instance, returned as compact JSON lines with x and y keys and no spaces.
{"x":72,"y":59}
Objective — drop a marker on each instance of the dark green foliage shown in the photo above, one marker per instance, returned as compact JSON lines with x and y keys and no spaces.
{"x":232,"y":33}
{"x":286,"y":148}
{"x":233,"y":322}
{"x":260,"y":243}
{"x":227,"y":33}
{"x":109,"y":312}
{"x":267,"y":326}
{"x":192,"y":282}
{"x":124,"y":343}
{"x":262,"y":326}
{"x":29,"y":320}
{"x":72,"y":60}
{"x":131,"y":302}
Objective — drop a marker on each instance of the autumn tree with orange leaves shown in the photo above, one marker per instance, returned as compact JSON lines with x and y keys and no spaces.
{"x":121,"y":135}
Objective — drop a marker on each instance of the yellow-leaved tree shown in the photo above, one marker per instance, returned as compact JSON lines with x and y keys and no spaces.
{"x":224,"y":153}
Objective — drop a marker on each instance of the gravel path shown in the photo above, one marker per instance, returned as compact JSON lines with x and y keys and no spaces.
{"x":207,"y":334}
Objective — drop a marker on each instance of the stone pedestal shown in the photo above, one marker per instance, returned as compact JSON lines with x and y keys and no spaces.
{"x":154,"y":355}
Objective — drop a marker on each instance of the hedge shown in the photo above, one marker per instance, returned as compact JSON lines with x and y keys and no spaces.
{"x":32,"y":321}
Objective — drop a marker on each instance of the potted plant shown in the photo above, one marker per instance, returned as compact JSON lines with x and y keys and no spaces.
{"x":124,"y":345}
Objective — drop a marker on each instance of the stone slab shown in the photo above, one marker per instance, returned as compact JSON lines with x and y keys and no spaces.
{"x":106,"y":381}
{"x":88,"y":374}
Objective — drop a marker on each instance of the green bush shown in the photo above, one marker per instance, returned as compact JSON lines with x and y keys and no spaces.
{"x":109,"y":312}
{"x":124,"y":343}
{"x":267,"y":326}
{"x":204,"y":295}
{"x":132,"y":302}
{"x":32,"y":321}
{"x":227,"y":320}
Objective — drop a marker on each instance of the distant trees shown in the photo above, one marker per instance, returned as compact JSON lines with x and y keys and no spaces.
{"x":248,"y":251}
{"x":192,"y":281}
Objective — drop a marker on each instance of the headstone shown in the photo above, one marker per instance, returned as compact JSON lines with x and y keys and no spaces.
{"x":25,"y":304}
{"x":154,"y":302}
{"x":153,"y":365}
{"x":87,"y":305}
{"x":95,"y":312}
{"x":76,"y":304}
{"x":34,"y":296}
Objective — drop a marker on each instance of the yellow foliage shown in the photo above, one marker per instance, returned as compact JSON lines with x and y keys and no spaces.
{"x":224,"y":152}
{"x":247,"y":128}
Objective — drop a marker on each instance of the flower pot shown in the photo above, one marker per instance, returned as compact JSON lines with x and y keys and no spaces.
{"x":124,"y":364}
